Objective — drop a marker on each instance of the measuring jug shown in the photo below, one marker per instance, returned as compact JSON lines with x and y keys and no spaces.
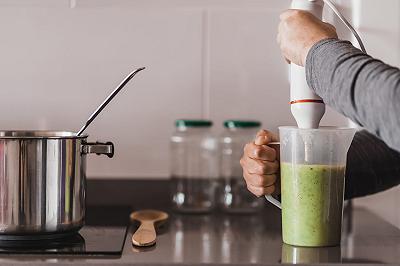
{"x":313,"y":164}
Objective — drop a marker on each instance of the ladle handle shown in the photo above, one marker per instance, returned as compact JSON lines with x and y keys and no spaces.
{"x":145,"y":235}
{"x":108,"y":99}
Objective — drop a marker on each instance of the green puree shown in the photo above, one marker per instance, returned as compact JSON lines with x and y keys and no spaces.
{"x":312,"y":203}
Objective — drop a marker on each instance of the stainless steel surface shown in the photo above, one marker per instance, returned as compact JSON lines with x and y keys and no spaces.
{"x":218,"y":239}
{"x":38,"y":134}
{"x":43,"y":181}
{"x":257,"y":240}
{"x":108,"y":99}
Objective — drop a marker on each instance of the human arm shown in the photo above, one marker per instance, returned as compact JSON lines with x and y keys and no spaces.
{"x":372,"y":166}
{"x":360,"y":87}
{"x":353,"y":83}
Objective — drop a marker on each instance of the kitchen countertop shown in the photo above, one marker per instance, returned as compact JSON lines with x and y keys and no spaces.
{"x":226,"y":239}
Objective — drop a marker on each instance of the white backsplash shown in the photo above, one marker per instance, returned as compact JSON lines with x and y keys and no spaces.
{"x":205,"y":59}
{"x":381,"y":36}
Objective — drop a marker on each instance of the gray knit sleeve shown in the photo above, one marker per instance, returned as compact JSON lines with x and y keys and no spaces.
{"x":371,"y":166}
{"x":360,"y":87}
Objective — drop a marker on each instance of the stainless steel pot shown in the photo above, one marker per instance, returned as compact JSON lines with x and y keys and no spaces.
{"x":43,"y":182}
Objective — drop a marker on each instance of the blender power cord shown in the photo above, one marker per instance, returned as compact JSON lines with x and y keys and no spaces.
{"x":346,"y":23}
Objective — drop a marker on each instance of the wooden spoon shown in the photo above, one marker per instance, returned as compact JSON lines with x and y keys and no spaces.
{"x":145,"y":235}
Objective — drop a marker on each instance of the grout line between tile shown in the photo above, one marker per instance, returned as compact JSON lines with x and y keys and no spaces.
{"x":72,"y":3}
{"x":205,"y":65}
{"x":398,"y":34}
{"x":398,"y":62}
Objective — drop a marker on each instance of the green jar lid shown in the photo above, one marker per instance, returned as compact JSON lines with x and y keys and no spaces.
{"x":193,"y":123}
{"x":241,"y":124}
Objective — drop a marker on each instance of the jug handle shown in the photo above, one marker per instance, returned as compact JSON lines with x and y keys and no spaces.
{"x":271,"y":199}
{"x":274,"y":201}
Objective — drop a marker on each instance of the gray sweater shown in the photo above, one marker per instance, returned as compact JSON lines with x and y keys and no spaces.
{"x":367,"y":91}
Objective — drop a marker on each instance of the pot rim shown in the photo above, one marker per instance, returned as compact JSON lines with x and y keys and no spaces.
{"x":40,"y":134}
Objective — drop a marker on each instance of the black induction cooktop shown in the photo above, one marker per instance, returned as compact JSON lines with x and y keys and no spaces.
{"x":104,"y":234}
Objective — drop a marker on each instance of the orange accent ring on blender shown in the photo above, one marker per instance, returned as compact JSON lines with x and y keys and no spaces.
{"x":307,"y":101}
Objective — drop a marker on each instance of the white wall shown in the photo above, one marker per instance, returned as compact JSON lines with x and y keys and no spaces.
{"x":212,"y":59}
{"x":379,"y":22}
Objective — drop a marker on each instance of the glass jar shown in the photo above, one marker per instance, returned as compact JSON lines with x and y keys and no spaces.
{"x":194,"y":166}
{"x":234,"y":196}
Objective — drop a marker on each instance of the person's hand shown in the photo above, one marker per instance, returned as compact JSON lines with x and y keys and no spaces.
{"x":260,"y":164}
{"x":298,"y":31}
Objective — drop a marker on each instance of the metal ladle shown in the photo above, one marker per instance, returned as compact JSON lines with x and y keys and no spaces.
{"x":108,"y":99}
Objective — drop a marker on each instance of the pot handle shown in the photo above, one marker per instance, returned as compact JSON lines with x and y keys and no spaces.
{"x":106,"y":148}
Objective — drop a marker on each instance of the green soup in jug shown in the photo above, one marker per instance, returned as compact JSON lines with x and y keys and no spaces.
{"x":312,"y":204}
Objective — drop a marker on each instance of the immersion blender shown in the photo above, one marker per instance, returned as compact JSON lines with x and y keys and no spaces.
{"x":307,"y":107}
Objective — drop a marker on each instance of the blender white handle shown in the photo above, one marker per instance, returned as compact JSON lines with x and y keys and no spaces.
{"x":274,"y":201}
{"x":306,"y":106}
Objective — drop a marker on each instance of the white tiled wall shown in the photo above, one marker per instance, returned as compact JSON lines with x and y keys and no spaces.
{"x":378,"y":22}
{"x":208,"y":59}
{"x":381,"y":36}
